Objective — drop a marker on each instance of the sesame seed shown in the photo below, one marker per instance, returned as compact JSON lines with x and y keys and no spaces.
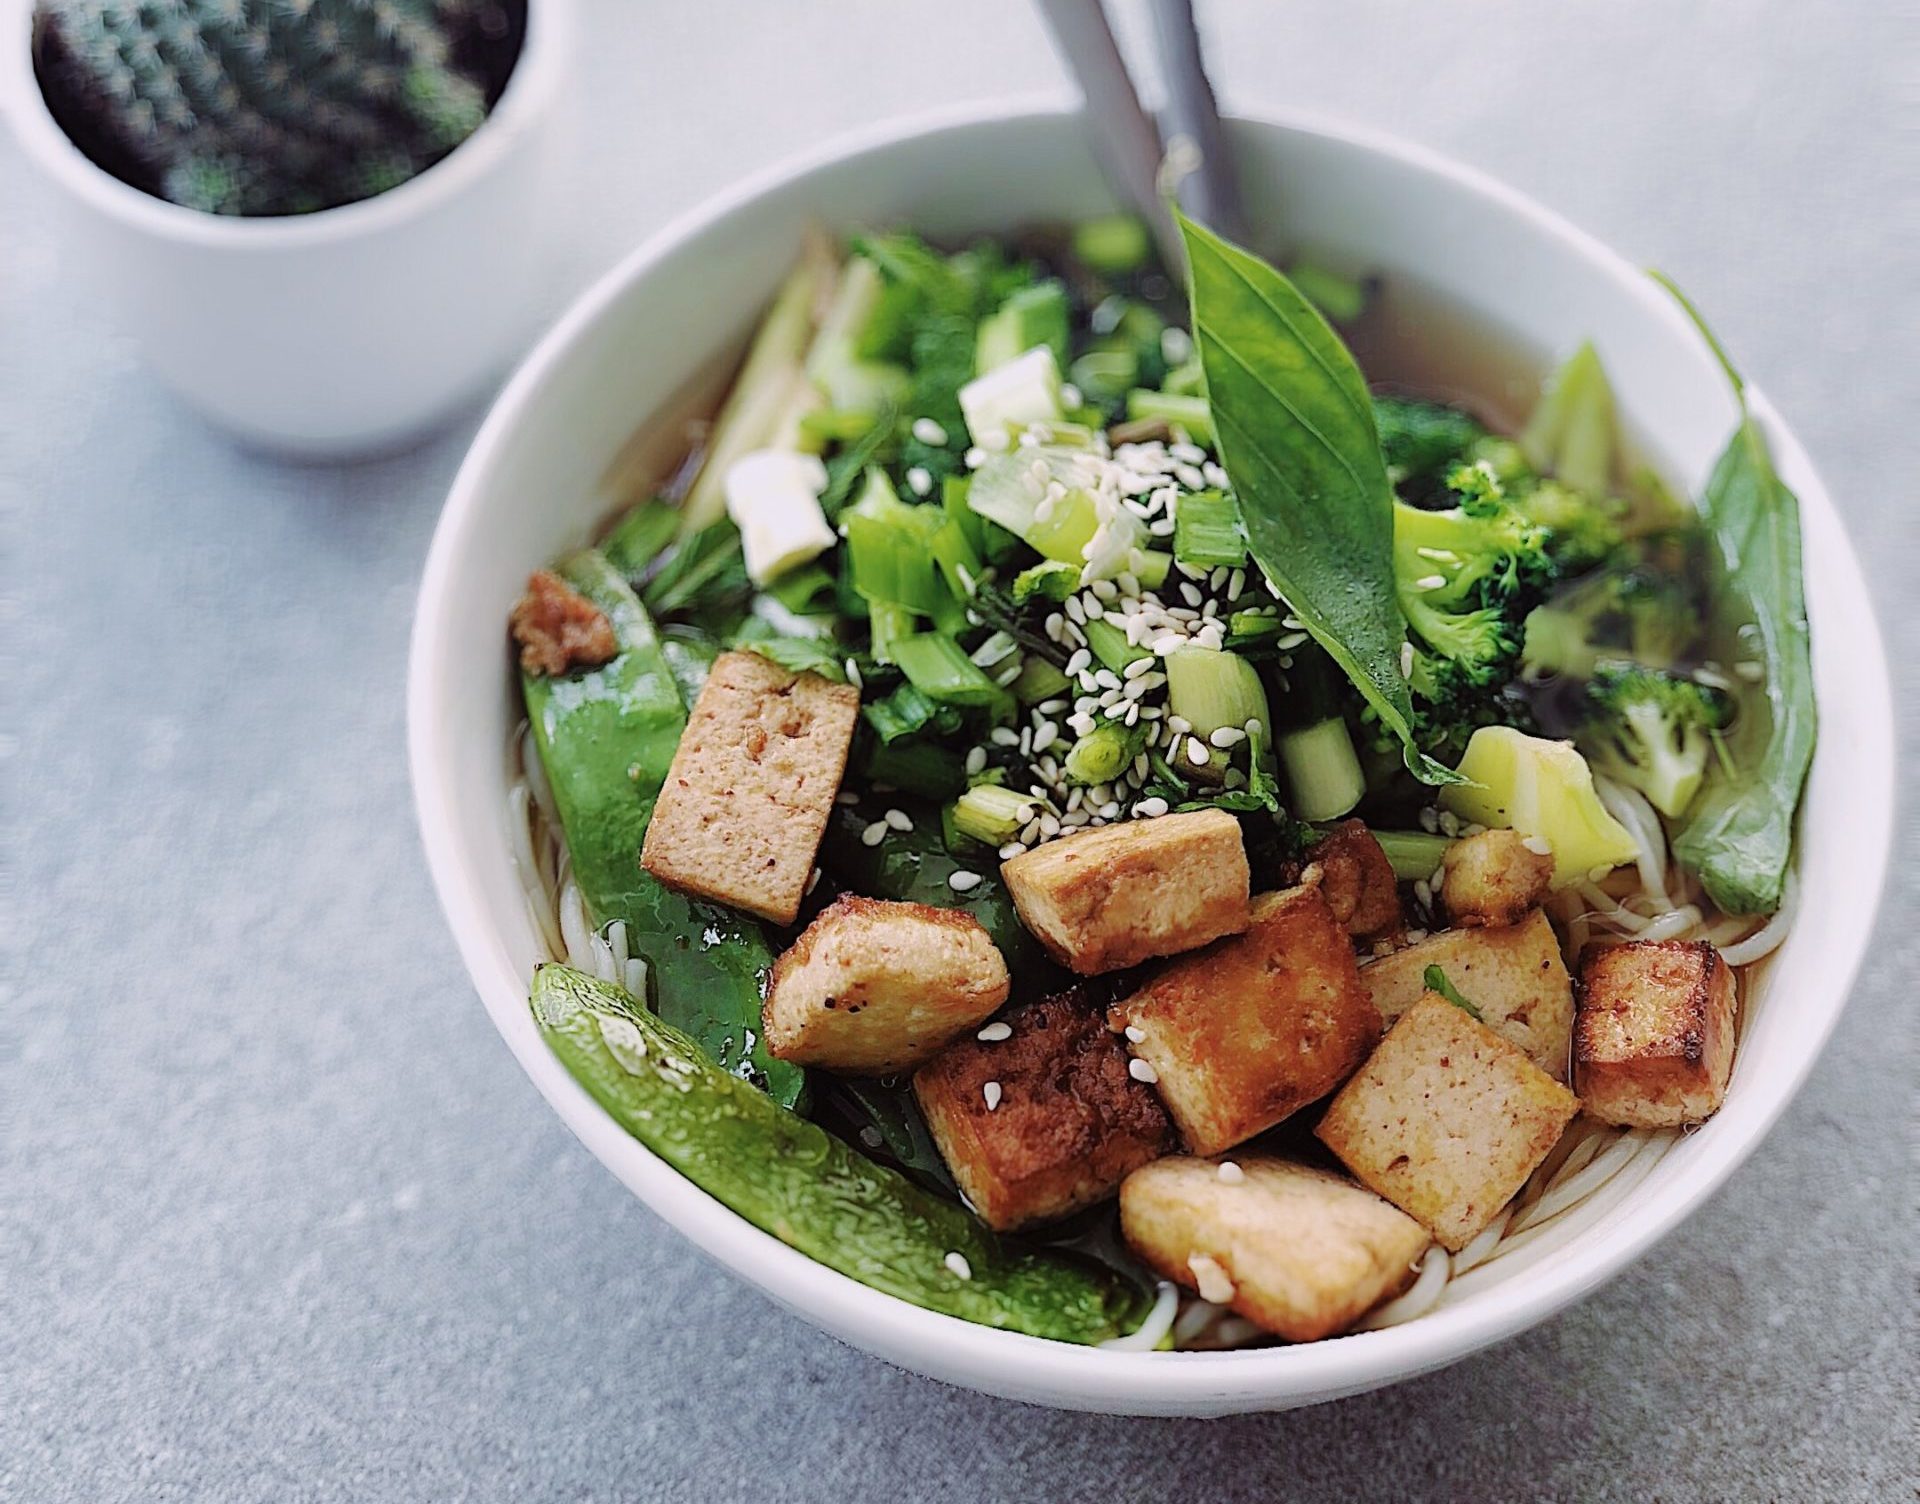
{"x":1153,"y":808}
{"x":1236,"y":582}
{"x":898,"y":819}
{"x":1080,"y":659}
{"x":1141,"y":1071}
{"x":1230,"y":1173}
{"x":1538,"y":845}
{"x":958,"y":1265}
{"x":846,"y":796}
{"x":1197,"y":753}
{"x":870,"y":1136}
{"x":874,"y":834}
{"x":991,"y":1091}
{"x":1430,"y":582}
{"x":1179,"y":725}
{"x":813,"y":879}
{"x":1004,"y":736}
{"x":1190,"y":593}
{"x":853,"y":675}
{"x":975,"y":457}
{"x":976,"y":761}
{"x":963,"y":881}
{"x":1406,"y":660}
{"x":994,"y":1032}
{"x":1136,"y":1033}
{"x":1227,"y":736}
{"x":1752,"y":672}
{"x":1030,"y":832}
{"x":919,"y":480}
{"x":1011,"y":850}
{"x":927,"y":431}
{"x":1138,"y":667}
{"x":1430,"y":820}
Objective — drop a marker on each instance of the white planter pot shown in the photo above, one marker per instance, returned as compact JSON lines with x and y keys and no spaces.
{"x":343,"y":332}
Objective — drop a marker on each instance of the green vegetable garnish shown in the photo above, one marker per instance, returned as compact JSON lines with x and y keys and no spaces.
{"x":1436,"y":981}
{"x":1739,"y":837}
{"x":1296,"y":432}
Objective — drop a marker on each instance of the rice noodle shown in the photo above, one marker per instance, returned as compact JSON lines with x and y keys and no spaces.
{"x":1154,"y":1328}
{"x":1420,"y":1297}
{"x":1765,"y":940}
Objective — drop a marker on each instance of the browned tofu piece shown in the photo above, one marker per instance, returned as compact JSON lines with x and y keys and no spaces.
{"x":1494,"y":878}
{"x":1653,"y":1039}
{"x":1044,"y":1121}
{"x":1298,"y":1251}
{"x":1357,"y":879}
{"x":1447,"y":1120}
{"x":872,"y":987}
{"x":1515,"y":976}
{"x":1253,"y":1028}
{"x":1121,"y":894}
{"x":746,"y":801}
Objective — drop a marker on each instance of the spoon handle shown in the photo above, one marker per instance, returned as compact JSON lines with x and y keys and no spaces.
{"x":1198,"y":163}
{"x":1125,"y":139}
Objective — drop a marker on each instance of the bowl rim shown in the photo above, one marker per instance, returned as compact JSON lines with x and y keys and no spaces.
{"x":537,"y":76}
{"x":1006,"y":1363}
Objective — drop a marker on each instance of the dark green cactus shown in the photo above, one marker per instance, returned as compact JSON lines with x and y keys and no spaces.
{"x":270,"y":106}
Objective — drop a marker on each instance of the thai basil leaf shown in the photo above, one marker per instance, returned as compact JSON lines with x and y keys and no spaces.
{"x":1739,"y":833}
{"x":1297,"y":435}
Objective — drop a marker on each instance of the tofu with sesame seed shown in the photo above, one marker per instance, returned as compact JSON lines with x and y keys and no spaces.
{"x":1112,"y":897}
{"x":1248,"y":1031}
{"x":1494,"y":878}
{"x":1300,"y":1252}
{"x":874,"y":986}
{"x":1514,"y":975}
{"x":1446,"y":1120}
{"x":1654,"y":1034}
{"x":1045,"y":1119}
{"x":746,"y":800}
{"x":1358,"y":880}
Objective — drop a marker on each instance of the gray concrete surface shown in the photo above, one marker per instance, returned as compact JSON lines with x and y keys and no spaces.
{"x":280,"y":1219}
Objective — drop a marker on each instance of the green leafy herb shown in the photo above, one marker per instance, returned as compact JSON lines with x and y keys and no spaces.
{"x":1436,"y":981}
{"x":1296,"y":432}
{"x":1739,"y":836}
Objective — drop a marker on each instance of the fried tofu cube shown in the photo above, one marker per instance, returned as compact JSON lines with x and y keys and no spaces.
{"x":1253,"y":1028}
{"x":746,"y":800}
{"x":1121,"y":894}
{"x":872,"y":986}
{"x":1447,"y":1120}
{"x":1515,"y":976}
{"x":1045,"y":1121}
{"x":1300,"y":1252}
{"x":1357,"y":879}
{"x":1494,"y":878}
{"x":1654,"y":1033}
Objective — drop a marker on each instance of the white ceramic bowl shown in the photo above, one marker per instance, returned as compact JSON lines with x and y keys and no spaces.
{"x":345,"y":332}
{"x":528,"y":491}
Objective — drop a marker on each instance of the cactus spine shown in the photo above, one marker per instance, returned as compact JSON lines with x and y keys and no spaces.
{"x":263,"y":106}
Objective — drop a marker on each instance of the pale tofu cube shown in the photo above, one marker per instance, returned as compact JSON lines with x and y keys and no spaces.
{"x":873,"y":987}
{"x":1495,"y":878}
{"x":1121,"y":894}
{"x":1653,"y":1039}
{"x":746,"y":801}
{"x":1010,"y":397}
{"x":1515,"y":976}
{"x":1447,"y":1120}
{"x":1300,"y":1252}
{"x":1357,"y":879}
{"x":1045,"y":1121}
{"x":1250,"y":1030}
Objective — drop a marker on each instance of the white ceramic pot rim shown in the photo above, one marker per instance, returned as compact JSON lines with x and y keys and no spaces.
{"x":1003,"y":1362}
{"x":538,"y":73}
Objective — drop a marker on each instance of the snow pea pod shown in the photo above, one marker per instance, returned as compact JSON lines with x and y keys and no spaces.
{"x":795,"y":1180}
{"x":605,"y":738}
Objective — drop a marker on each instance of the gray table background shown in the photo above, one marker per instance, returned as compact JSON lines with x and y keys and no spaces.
{"x":279,"y":1217}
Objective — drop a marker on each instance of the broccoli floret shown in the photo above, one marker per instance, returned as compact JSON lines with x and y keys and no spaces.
{"x":1653,"y":730}
{"x":1586,"y":530}
{"x":1642,"y":614}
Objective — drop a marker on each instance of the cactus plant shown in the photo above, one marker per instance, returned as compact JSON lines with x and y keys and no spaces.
{"x":269,"y":106}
